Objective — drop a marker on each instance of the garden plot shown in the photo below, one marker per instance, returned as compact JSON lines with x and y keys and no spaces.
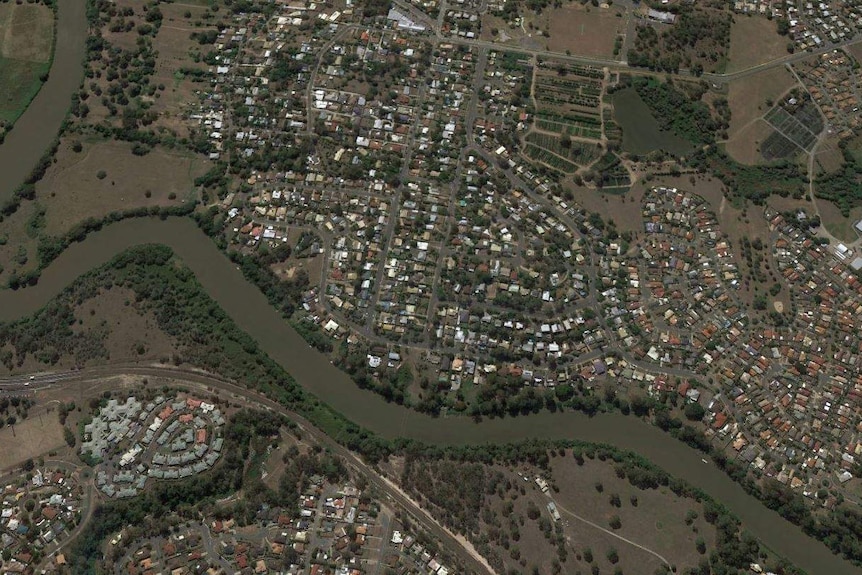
{"x":581,"y":153}
{"x":577,"y":125}
{"x":568,"y":121}
{"x":800,"y":127}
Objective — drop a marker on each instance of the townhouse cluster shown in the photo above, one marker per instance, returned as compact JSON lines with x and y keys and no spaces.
{"x":166,"y":438}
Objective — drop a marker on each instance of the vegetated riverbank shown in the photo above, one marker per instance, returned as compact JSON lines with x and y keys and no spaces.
{"x":38,"y":125}
{"x":281,"y":347}
{"x":170,"y":293}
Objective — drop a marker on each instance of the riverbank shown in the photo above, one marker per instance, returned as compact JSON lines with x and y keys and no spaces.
{"x":37,"y":127}
{"x":250,"y":310}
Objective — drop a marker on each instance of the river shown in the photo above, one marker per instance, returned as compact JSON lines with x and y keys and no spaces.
{"x":248,"y":307}
{"x":38,"y":125}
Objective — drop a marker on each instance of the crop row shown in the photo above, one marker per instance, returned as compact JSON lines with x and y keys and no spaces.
{"x":542,"y":155}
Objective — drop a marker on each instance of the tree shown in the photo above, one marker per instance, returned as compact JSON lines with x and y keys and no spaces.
{"x":694,"y":411}
{"x":615,"y":522}
{"x":613,"y":556}
{"x":69,"y":436}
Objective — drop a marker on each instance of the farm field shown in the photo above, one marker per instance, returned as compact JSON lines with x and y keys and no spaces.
{"x":573,"y":152}
{"x":26,"y":41}
{"x":641,"y":131}
{"x":800,"y":127}
{"x":754,"y":40}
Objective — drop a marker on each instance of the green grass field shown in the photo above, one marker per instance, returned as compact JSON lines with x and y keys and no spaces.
{"x":21,"y":83}
{"x":26,"y":47}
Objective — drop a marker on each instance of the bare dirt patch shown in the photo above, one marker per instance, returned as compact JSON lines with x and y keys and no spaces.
{"x":747,"y":97}
{"x":72,"y":190}
{"x":754,"y":40}
{"x":30,"y":438}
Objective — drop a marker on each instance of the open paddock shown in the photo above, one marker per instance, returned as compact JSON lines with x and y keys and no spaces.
{"x":829,"y":158}
{"x":754,"y":40}
{"x":748,"y":97}
{"x":173,"y":44}
{"x":583,"y":30}
{"x":744,"y":147}
{"x":657,"y":521}
{"x":835,"y":223}
{"x":30,"y":438}
{"x":26,"y":31}
{"x":72,"y":191}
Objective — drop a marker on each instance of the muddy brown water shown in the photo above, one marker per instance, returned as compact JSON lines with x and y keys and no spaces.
{"x":37,"y":127}
{"x":248,"y":307}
